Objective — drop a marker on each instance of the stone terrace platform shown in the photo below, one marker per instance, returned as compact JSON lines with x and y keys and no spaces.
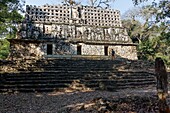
{"x":55,"y":74}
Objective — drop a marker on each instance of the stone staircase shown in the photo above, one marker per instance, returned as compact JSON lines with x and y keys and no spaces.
{"x":54,"y":74}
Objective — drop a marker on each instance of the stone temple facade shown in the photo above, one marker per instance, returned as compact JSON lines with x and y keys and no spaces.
{"x":62,"y":30}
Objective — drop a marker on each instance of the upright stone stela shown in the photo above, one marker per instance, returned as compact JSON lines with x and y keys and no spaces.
{"x":72,"y":30}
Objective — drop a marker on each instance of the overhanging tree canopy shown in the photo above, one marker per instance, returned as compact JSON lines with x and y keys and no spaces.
{"x":9,"y":16}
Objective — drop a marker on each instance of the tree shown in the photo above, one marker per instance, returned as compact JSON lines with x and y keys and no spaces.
{"x":9,"y":18}
{"x":94,"y":3}
{"x":163,"y":9}
{"x":100,"y":3}
{"x":70,"y":2}
{"x":137,"y":2}
{"x":153,"y":34}
{"x":133,"y":28}
{"x":162,"y":19}
{"x":140,"y":30}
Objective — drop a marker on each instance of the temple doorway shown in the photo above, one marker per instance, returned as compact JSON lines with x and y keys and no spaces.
{"x":79,"y":50}
{"x":49,"y":49}
{"x":106,"y":50}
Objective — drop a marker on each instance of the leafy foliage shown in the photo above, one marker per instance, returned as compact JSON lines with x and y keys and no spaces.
{"x":147,"y":49}
{"x":4,"y":48}
{"x":137,"y":2}
{"x":163,"y":47}
{"x":153,"y":35}
{"x":9,"y":19}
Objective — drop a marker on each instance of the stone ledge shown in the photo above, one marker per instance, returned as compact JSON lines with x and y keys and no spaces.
{"x":24,"y":40}
{"x":103,"y":42}
{"x":91,"y":57}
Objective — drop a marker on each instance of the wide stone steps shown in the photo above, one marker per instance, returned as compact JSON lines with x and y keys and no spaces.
{"x":52,"y":87}
{"x":71,"y":68}
{"x":74,"y":69}
{"x":50,"y":75}
{"x":68,"y":81}
{"x":42,"y":85}
{"x":27,"y":90}
{"x":74,"y":64}
{"x":32,"y":87}
{"x":76,"y":75}
{"x":36,"y":81}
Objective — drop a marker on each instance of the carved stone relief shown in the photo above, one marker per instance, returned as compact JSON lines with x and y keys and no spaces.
{"x":77,"y":23}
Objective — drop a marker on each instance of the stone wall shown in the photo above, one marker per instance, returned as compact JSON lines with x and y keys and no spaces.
{"x":92,"y":49}
{"x":123,"y":51}
{"x":24,"y":49}
{"x":73,"y":32}
{"x":65,"y":48}
{"x":21,"y":49}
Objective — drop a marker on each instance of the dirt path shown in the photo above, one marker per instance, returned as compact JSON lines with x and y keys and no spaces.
{"x":79,"y":102}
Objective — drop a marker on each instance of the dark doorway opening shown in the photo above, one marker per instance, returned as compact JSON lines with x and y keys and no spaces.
{"x":49,"y":49}
{"x":106,"y":50}
{"x":79,"y":50}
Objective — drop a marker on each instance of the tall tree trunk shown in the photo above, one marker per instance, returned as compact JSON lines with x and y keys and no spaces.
{"x":162,"y":85}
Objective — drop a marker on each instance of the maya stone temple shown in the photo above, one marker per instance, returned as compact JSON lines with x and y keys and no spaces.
{"x":71,"y":30}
